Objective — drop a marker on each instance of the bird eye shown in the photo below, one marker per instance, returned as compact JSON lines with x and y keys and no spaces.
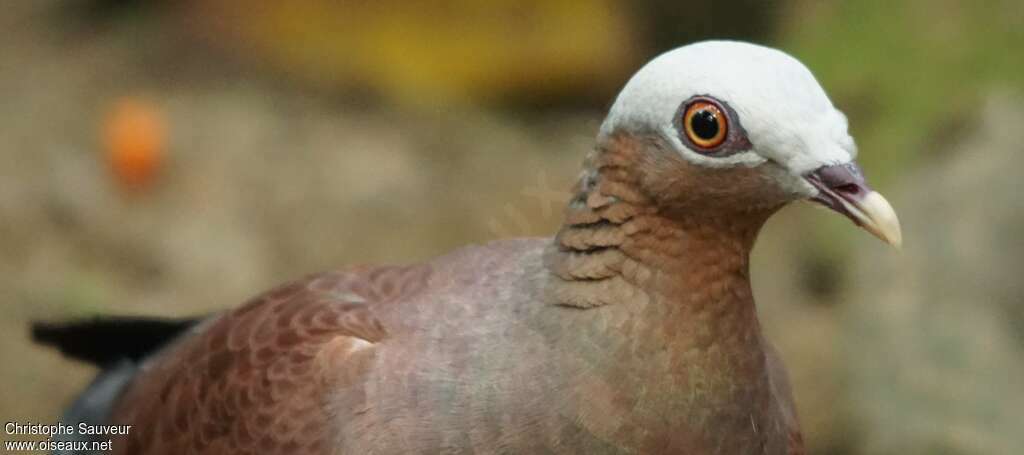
{"x":705,"y":124}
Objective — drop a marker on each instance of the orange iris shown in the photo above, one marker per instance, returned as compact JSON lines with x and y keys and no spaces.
{"x":705,"y":124}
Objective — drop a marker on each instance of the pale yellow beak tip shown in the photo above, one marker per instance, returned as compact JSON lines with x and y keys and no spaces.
{"x":880,"y":219}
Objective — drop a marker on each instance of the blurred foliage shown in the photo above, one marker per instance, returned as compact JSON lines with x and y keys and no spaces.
{"x":422,"y":53}
{"x":907,"y":72}
{"x":667,"y":24}
{"x":910,"y":76}
{"x":932,"y":341}
{"x":538,"y":53}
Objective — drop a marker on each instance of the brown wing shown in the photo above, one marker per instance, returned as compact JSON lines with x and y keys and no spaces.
{"x":257,"y":379}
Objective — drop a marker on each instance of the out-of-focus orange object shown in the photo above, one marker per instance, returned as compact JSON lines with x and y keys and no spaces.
{"x":134,"y":140}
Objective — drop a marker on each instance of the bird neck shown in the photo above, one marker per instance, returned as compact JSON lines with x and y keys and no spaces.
{"x":665,"y":278}
{"x":619,"y":245}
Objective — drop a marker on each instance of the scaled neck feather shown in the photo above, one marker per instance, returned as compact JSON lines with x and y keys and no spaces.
{"x":642,"y":226}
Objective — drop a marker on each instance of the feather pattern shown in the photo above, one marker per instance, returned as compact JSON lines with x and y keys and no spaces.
{"x":255,"y":380}
{"x":632,"y":330}
{"x":628,"y":332}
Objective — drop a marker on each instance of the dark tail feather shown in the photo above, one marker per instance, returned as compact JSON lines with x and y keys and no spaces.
{"x":106,"y":340}
{"x":117,"y":345}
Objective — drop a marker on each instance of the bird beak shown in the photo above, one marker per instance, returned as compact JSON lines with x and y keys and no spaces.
{"x":842,"y":188}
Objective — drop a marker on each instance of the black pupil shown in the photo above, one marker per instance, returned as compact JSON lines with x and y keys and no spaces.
{"x":704,"y":124}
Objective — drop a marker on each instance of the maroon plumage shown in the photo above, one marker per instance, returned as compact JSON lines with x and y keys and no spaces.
{"x":633,"y":330}
{"x":630,"y":331}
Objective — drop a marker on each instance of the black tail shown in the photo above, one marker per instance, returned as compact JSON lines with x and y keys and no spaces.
{"x":106,"y":340}
{"x":115,"y":344}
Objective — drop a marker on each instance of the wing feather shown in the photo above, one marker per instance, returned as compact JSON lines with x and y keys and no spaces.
{"x":258,"y":379}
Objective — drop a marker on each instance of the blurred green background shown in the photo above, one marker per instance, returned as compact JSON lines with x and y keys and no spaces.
{"x":172,"y":158}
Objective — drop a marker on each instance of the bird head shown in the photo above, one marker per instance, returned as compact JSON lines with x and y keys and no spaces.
{"x":731,"y":122}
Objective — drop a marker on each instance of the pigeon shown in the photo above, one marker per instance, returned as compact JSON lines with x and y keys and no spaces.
{"x":632,"y":330}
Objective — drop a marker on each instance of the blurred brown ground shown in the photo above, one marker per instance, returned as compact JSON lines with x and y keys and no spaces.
{"x":282,"y":158}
